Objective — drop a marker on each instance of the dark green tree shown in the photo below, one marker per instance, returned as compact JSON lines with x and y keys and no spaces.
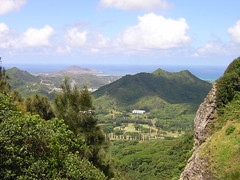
{"x":76,"y":108}
{"x":40,"y":105}
{"x":4,"y":86}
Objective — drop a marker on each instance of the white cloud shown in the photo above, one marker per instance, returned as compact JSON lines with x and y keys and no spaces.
{"x":63,"y":50}
{"x":234,"y":31}
{"x":100,"y":41}
{"x":218,"y":48}
{"x":211,"y":48}
{"x":31,"y":38}
{"x":3,"y":28}
{"x":7,"y":36}
{"x":38,"y":37}
{"x":135,"y":4}
{"x":85,"y":41}
{"x":74,"y":37}
{"x":94,"y":50}
{"x":156,"y":32}
{"x":7,"y":6}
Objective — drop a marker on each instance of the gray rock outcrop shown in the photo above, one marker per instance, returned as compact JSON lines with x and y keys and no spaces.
{"x":204,"y":116}
{"x":197,"y":166}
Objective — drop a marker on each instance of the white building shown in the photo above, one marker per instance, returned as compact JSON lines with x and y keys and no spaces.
{"x":138,"y":111}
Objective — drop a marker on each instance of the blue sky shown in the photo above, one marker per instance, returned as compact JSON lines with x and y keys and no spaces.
{"x":162,"y":32}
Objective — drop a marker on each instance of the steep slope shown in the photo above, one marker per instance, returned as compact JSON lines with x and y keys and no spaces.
{"x":217,"y":129}
{"x":179,"y":87}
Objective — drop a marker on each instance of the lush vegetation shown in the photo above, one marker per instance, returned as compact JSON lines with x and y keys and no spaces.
{"x":63,"y":139}
{"x":222,"y":151}
{"x":39,"y":105}
{"x":34,"y":145}
{"x":75,"y":107}
{"x":229,"y":84}
{"x":159,"y":159}
{"x":32,"y":148}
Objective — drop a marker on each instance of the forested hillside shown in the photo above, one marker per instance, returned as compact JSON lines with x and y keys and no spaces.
{"x":174,"y":88}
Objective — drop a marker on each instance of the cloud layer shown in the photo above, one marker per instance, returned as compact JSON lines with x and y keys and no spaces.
{"x":74,"y":37}
{"x":38,"y":37}
{"x":156,"y":32}
{"x":31,"y":38}
{"x":135,"y":4}
{"x":234,"y":32}
{"x":7,"y":6}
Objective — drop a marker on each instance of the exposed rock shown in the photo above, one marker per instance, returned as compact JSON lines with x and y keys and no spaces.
{"x":204,"y":115}
{"x":197,"y":166}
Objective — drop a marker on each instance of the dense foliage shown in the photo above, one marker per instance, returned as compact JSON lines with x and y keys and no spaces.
{"x":32,"y":148}
{"x":159,"y":159}
{"x":37,"y":104}
{"x":229,"y":84}
{"x":40,"y":147}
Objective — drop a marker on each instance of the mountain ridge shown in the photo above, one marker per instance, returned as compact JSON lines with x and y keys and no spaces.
{"x":179,"y":87}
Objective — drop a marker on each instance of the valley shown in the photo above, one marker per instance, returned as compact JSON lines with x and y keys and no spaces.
{"x":168,"y":102}
{"x":140,"y":115}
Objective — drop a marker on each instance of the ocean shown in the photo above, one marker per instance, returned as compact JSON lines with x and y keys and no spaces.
{"x":210,"y":73}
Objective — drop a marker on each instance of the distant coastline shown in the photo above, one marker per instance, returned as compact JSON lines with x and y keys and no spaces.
{"x":208,"y":73}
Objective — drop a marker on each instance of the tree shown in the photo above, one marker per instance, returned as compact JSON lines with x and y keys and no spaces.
{"x":76,"y":108}
{"x":4,"y":86}
{"x":40,"y":105}
{"x":7,"y":108}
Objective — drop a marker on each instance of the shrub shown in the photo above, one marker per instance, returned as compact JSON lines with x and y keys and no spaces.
{"x":230,"y":130}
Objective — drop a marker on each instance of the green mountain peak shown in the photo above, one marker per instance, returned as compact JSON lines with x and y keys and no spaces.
{"x":180,"y":87}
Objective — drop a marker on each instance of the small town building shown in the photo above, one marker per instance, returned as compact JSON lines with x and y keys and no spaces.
{"x":138,"y":111}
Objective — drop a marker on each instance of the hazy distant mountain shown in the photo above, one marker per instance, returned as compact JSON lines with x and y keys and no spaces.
{"x":77,"y":70}
{"x":178,"y":87}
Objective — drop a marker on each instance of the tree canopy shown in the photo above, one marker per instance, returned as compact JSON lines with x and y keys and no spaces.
{"x":76,"y":108}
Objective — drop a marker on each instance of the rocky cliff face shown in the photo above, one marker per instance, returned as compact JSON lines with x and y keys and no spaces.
{"x":197,"y":166}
